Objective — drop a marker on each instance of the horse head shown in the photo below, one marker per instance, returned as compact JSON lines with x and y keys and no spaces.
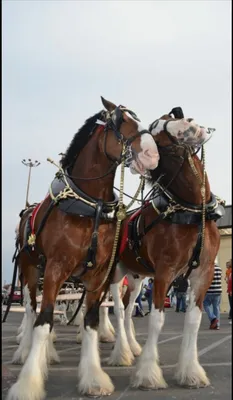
{"x":178,"y":141}
{"x":124,"y":127}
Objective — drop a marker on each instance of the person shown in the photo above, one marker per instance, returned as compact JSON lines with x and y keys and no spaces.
{"x":213,"y":298}
{"x":229,"y":291}
{"x":228,"y":277}
{"x":125,"y":285}
{"x":139,"y":309}
{"x":149,"y":294}
{"x":180,"y":287}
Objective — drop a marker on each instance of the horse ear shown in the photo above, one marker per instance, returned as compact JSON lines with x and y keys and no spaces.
{"x":108,"y":105}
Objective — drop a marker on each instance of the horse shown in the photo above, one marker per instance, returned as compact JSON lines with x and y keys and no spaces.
{"x":73,"y":231}
{"x":173,"y":233}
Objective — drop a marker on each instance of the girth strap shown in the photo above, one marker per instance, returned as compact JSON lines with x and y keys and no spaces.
{"x":90,"y":262}
{"x":194,"y":261}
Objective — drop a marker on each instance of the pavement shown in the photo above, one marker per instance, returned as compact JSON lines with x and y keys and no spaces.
{"x":214,"y":348}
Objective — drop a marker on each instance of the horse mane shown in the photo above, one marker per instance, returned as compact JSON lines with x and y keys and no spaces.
{"x":80,"y":140}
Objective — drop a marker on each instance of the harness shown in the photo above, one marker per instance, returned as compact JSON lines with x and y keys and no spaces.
{"x":174,"y":211}
{"x":71,"y":200}
{"x":170,"y":208}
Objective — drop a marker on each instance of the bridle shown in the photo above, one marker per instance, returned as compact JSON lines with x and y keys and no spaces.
{"x":178,"y":150}
{"x":113,"y":122}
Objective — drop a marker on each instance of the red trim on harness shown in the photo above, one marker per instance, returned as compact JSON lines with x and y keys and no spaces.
{"x":34,"y":214}
{"x":124,"y":239}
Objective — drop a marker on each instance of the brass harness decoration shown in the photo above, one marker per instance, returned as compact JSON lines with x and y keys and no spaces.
{"x":121,"y":213}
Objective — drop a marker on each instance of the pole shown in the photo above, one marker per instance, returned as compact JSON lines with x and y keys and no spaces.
{"x":29,"y":164}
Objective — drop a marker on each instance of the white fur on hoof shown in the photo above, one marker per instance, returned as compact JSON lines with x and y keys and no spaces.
{"x":22,"y":352}
{"x":193,"y":376}
{"x":93,"y":381}
{"x":19,"y":337}
{"x":149,"y":376}
{"x":189,"y":371}
{"x":22,"y":390}
{"x":135,"y":348}
{"x":105,"y":327}
{"x":97,"y":383}
{"x":121,"y":354}
{"x":23,"y":324}
{"x":51,"y":353}
{"x":79,"y":336}
{"x":20,"y":355}
{"x":53,"y":335}
{"x":106,"y":337}
{"x":30,"y":383}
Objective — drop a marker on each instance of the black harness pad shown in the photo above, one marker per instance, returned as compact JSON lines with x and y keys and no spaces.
{"x":73,"y":206}
{"x":27,"y":230}
{"x":214,"y":211}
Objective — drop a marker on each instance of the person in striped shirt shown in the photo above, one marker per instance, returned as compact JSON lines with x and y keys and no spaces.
{"x":213,"y":298}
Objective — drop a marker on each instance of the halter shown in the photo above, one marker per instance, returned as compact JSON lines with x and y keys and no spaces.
{"x":114,"y":122}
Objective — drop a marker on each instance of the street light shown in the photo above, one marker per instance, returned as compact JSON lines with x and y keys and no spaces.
{"x":30,"y":164}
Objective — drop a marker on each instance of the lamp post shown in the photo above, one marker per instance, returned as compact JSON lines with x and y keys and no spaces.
{"x":30,"y":164}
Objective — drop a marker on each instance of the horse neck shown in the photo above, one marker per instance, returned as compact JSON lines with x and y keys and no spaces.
{"x":92,"y":163}
{"x":186,"y":185}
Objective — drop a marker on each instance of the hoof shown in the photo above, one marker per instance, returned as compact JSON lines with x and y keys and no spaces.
{"x":98,"y":394}
{"x":195,"y":378}
{"x":148,"y":388}
{"x":107,"y":339}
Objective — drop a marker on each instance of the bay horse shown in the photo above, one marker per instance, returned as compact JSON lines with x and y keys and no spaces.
{"x":72,"y":233}
{"x":173,"y":233}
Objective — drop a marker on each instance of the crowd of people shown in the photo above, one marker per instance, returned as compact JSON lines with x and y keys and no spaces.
{"x":178,"y":295}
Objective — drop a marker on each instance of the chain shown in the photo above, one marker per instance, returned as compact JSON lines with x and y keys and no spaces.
{"x":121,"y":214}
{"x":203,"y":193}
{"x":136,"y":194}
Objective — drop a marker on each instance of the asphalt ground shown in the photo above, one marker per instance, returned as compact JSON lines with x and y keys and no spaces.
{"x":214,"y":348}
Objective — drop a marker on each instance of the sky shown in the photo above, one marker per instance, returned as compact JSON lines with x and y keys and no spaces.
{"x":59,"y":57}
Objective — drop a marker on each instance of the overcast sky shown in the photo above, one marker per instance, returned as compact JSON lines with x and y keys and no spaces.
{"x":59,"y":57}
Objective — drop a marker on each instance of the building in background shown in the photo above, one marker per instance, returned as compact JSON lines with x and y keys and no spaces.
{"x":225,"y":251}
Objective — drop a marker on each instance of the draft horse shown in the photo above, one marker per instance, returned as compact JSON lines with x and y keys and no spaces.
{"x":174,"y":232}
{"x":72,"y":234}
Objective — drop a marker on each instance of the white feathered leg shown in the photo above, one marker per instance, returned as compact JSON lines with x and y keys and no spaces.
{"x":130,"y":332}
{"x":104,"y":331}
{"x":148,"y":373}
{"x":53,"y":335}
{"x":80,"y":323}
{"x":26,"y":300}
{"x":30,"y":384}
{"x":92,"y":379}
{"x":189,"y":371}
{"x":22,"y":352}
{"x":121,"y":354}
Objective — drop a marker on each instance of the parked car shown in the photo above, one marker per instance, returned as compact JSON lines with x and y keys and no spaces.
{"x":167,"y":302}
{"x":16,"y":296}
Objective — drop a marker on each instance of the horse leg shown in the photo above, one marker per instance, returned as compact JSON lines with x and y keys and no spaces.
{"x":30,"y":383}
{"x":134,"y":345}
{"x":148,"y":373}
{"x":22,"y":328}
{"x":25,"y":337}
{"x":53,"y":335}
{"x":79,"y":321}
{"x":105,"y":332}
{"x":189,"y":371}
{"x":93,"y":380}
{"x":121,"y":354}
